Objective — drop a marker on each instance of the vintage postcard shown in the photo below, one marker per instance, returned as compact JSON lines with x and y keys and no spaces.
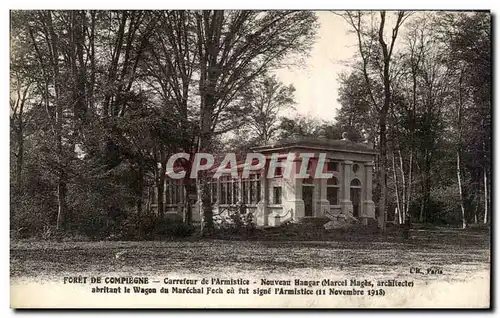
{"x":250,"y":159}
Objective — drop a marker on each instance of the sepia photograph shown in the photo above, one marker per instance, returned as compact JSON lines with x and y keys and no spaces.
{"x":257,"y":159}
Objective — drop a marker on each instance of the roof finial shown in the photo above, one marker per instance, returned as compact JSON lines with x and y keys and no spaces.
{"x":366,"y":135}
{"x":366,"y":139}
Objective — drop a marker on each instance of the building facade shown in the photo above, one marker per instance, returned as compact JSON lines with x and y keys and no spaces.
{"x":284,"y":197}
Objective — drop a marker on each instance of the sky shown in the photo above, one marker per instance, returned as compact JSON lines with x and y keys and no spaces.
{"x":316,"y":82}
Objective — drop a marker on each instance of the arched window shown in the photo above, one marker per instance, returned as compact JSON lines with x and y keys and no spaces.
{"x":356,"y":197}
{"x":355,"y":183}
{"x":332,"y":191}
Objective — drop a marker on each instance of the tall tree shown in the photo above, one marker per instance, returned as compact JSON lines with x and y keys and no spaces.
{"x":234,"y":47}
{"x":300,"y":126}
{"x":356,"y":113}
{"x":267,"y":97}
{"x":467,"y":37}
{"x":47,"y":44}
{"x":432,"y":81}
{"x":169,"y":69}
{"x":374,"y":49}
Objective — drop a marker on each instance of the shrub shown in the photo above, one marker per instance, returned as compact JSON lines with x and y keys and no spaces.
{"x":444,"y":206}
{"x":235,"y":219}
{"x":31,"y":213}
{"x":150,"y":227}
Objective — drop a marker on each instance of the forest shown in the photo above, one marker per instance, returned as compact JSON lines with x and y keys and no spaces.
{"x":99,"y":100}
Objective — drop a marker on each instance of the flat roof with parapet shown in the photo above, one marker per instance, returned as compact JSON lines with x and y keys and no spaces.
{"x":344,"y":145}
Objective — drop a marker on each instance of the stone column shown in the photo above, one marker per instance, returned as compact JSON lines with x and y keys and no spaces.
{"x":292,"y":203}
{"x":368,"y":204}
{"x":322,"y":202}
{"x":217,"y":197}
{"x":165,"y":193}
{"x":295,"y":198}
{"x":345,"y":202}
{"x":240,"y":191}
{"x":261,"y":216}
{"x":218,"y":191}
{"x":264,"y":186}
{"x":180,"y":188}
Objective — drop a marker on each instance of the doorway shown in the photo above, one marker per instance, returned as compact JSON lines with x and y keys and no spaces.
{"x":356,"y":197}
{"x":307,"y":196}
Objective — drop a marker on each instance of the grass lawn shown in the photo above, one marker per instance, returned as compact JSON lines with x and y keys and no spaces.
{"x":460,"y":253}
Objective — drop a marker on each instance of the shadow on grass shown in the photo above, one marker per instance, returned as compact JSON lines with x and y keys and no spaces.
{"x":458,"y":250}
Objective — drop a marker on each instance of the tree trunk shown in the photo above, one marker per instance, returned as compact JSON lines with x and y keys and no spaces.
{"x":92,"y":62}
{"x":422,"y":208}
{"x":209,"y":30}
{"x":485,"y":195}
{"x":191,"y":193}
{"x":460,"y":190}
{"x":139,"y":189}
{"x":61,"y":201}
{"x":398,"y":202}
{"x":459,"y":150}
{"x":139,"y":204}
{"x":61,"y":183}
{"x":160,"y":193}
{"x":386,"y":53}
{"x":382,"y":219}
{"x":161,"y":184}
{"x":20,"y":153}
{"x":476,"y":219}
{"x":409,"y":187}
{"x":207,"y":224}
{"x":404,"y":189}
{"x":20,"y":134}
{"x":427,"y":207}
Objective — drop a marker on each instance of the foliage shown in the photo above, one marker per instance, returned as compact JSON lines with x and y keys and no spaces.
{"x":439,"y":118}
{"x":267,"y":97}
{"x":99,"y":99}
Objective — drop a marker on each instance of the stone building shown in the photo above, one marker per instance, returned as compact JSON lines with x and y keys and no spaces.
{"x":279,"y":199}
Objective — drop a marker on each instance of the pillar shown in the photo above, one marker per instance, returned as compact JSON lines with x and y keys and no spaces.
{"x":345,"y":202}
{"x":216,"y":204}
{"x":294,"y":199}
{"x":368,"y":204}
{"x":261,"y":215}
{"x":292,"y":203}
{"x":240,"y":191}
{"x":322,"y":203}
